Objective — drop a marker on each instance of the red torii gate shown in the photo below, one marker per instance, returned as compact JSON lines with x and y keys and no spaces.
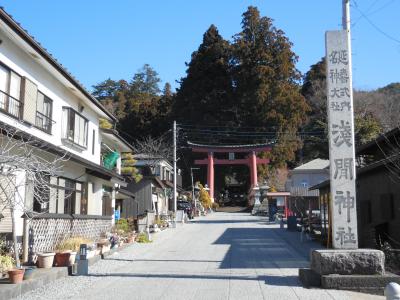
{"x":252,"y":160}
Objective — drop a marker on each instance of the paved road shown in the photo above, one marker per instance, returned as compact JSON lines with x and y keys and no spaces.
{"x":221,"y":256}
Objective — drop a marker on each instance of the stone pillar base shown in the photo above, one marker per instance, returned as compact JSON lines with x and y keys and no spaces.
{"x":348,"y":262}
{"x":356,"y":270}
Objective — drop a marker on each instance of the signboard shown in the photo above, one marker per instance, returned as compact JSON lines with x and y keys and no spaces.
{"x":341,"y":141}
{"x":117,"y":215}
{"x":231,"y":155}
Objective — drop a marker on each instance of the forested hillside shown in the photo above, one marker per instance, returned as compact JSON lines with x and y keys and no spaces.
{"x":249,"y":83}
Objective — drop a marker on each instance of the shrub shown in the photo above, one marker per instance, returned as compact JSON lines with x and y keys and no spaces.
{"x":105,"y":124}
{"x":73,"y":244}
{"x":3,"y":246}
{"x":204,"y":197}
{"x":6,"y":263}
{"x":123,"y":225}
{"x":158,"y":221}
{"x":127,"y":156}
{"x":142,"y":238}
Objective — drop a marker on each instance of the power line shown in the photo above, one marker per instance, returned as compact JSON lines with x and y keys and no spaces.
{"x":374,"y":25}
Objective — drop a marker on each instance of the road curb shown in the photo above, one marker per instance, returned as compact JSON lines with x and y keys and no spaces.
{"x":43,"y":277}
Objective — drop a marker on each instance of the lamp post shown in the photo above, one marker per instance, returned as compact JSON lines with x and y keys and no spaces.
{"x":193,"y":197}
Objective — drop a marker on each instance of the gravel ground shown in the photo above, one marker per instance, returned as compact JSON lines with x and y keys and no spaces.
{"x":221,"y":256}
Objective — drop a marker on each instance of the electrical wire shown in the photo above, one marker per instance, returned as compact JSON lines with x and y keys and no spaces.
{"x":377,"y":28}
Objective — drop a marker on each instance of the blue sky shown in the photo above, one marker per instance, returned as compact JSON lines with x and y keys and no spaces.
{"x":99,"y":39}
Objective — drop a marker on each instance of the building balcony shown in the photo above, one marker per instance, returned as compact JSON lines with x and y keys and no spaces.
{"x":10,"y":105}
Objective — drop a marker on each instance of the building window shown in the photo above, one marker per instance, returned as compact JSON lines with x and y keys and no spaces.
{"x":84,"y":200}
{"x":44,"y":112}
{"x":10,"y":91}
{"x":69,"y":196}
{"x":75,"y":127}
{"x":68,"y":191}
{"x":41,"y":194}
{"x":107,"y":201}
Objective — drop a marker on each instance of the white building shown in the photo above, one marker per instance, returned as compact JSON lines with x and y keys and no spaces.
{"x":39,"y":97}
{"x":299,"y":181}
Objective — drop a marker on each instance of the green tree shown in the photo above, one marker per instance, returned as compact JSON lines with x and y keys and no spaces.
{"x":267,"y":83}
{"x":315,"y":143}
{"x":205,"y":94}
{"x":366,"y":129}
{"x":145,"y":81}
{"x":106,"y":89}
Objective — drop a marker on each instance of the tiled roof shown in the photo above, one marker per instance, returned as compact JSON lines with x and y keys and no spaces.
{"x":316,"y":164}
{"x":31,"y":41}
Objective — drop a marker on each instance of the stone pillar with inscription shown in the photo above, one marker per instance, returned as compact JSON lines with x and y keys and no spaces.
{"x":345,"y":266}
{"x":341,"y":141}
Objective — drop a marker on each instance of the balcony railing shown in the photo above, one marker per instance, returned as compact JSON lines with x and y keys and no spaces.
{"x":43,"y":122}
{"x":10,"y":105}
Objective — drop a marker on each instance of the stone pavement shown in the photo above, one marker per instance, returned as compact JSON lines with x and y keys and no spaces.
{"x":220,"y":256}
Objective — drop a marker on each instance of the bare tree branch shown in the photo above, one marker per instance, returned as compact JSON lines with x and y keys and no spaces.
{"x":26,"y":165}
{"x":153,"y":150}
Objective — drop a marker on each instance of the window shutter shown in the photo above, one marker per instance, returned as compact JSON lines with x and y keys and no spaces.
{"x":29,"y":97}
{"x":53,"y":195}
{"x":40,"y":102}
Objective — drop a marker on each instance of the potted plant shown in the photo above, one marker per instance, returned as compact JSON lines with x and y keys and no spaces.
{"x":103,"y":245}
{"x":61,"y":259}
{"x":16,"y":275}
{"x":131,"y":238}
{"x":45,"y":260}
{"x":6,"y":263}
{"x":67,"y":250}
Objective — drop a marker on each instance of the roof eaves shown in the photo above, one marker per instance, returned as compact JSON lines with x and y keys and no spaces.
{"x":116,"y":134}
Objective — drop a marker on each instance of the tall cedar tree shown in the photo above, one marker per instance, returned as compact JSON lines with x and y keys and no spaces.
{"x":205,"y":94}
{"x":266,"y":81}
{"x":315,"y":144}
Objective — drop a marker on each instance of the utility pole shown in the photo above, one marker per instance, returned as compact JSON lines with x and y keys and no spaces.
{"x":193,"y":197}
{"x":346,"y":23}
{"x":346,"y":15}
{"x":174,"y":192}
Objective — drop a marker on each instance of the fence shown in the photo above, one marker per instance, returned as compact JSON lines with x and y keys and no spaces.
{"x":46,"y":232}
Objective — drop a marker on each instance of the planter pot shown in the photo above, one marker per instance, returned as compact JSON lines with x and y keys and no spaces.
{"x":62,"y":259}
{"x":90,"y":254}
{"x":72,"y":258}
{"x":29,"y":272}
{"x":102,"y":242}
{"x":45,"y":260}
{"x":105,"y":249}
{"x":16,"y":275}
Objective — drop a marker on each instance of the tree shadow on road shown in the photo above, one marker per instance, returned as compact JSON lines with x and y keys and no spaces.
{"x":273,"y":280}
{"x":163,"y":260}
{"x":263,"y":248}
{"x":222,"y":221}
